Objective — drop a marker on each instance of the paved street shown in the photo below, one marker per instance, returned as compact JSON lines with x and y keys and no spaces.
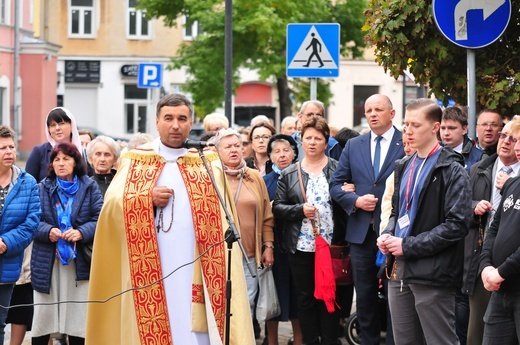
{"x":285,"y":333}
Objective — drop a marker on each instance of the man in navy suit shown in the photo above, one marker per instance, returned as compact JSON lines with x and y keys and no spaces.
{"x":366,"y":162}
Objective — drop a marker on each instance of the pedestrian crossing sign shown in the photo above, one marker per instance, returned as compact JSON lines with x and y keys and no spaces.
{"x":313,"y":50}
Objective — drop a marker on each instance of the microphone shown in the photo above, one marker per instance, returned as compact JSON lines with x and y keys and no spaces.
{"x":194,"y":144}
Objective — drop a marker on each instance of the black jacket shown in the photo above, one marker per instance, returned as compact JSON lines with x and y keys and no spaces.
{"x":482,"y":186}
{"x":501,"y":248}
{"x":104,"y":181}
{"x":433,"y":252}
{"x":288,"y":204}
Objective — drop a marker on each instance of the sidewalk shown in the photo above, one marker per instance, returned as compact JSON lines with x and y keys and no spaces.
{"x":284,"y":334}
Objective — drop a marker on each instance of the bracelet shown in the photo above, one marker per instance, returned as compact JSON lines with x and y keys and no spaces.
{"x":268,"y":246}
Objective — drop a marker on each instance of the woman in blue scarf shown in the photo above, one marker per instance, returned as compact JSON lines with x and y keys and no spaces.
{"x":70,"y":203}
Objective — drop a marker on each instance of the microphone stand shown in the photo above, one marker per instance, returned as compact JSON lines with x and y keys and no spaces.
{"x":231,"y":235}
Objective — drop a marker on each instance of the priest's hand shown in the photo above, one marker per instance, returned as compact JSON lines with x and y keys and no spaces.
{"x":161,"y":195}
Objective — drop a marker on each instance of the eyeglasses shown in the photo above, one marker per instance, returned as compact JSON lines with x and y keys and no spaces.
{"x":503,"y":136}
{"x":490,"y":124}
{"x":264,"y":137}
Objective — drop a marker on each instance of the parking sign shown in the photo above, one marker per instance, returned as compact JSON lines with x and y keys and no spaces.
{"x":149,"y":75}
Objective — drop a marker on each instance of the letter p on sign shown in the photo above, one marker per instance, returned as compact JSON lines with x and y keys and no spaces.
{"x":149,"y":75}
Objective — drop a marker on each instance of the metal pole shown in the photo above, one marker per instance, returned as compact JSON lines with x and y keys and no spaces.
{"x":228,"y":60}
{"x":404,"y":94}
{"x":314,"y":88}
{"x":471,"y":93}
{"x":16,"y":96}
{"x":148,"y":113}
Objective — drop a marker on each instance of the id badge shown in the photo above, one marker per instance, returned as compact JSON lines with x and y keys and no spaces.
{"x":404,"y":221}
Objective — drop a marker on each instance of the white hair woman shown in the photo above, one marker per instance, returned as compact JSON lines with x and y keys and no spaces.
{"x":282,"y":151}
{"x":103,"y":153}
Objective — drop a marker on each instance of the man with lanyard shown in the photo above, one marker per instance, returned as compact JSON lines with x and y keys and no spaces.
{"x":161,"y":240}
{"x":424,"y":237}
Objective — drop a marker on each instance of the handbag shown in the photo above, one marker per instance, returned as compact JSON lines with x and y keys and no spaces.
{"x":340,"y":254}
{"x":341,"y":265}
{"x":86,"y":251}
{"x":268,"y":305}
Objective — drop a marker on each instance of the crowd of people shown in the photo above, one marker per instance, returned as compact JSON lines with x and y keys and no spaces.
{"x":146,"y":232}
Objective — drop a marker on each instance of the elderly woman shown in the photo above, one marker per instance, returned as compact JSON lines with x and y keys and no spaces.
{"x":215,"y":122}
{"x":20,"y":214}
{"x":71,"y":203}
{"x":103,"y":153}
{"x":252,"y":203}
{"x":61,"y":128}
{"x":282,"y":151}
{"x":303,"y":218}
{"x":259,"y":137}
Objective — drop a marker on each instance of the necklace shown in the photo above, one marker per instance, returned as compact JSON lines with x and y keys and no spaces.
{"x":160,"y":223}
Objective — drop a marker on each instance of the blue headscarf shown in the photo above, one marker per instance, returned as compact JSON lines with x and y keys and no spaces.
{"x":66,"y":190}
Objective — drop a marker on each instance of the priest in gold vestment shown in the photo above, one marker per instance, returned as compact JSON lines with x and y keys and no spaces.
{"x":160,"y":237}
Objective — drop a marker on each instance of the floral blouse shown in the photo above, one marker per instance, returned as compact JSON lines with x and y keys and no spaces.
{"x":318,"y":196}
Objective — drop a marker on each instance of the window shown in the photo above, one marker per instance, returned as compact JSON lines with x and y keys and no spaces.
{"x":191,"y":29}
{"x":4,"y":11}
{"x":81,"y":18}
{"x":135,"y":109}
{"x":2,"y":93}
{"x":361,"y":93}
{"x":138,"y":25}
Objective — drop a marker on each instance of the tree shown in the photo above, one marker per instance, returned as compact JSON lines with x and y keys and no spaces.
{"x":259,"y":34}
{"x":404,"y":35}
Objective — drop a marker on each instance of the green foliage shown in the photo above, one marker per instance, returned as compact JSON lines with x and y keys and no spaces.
{"x":404,"y":35}
{"x":259,"y":37}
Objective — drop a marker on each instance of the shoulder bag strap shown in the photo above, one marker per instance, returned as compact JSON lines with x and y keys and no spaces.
{"x":313,"y":223}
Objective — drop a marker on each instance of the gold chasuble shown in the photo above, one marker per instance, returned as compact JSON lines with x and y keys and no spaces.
{"x":126,"y":257}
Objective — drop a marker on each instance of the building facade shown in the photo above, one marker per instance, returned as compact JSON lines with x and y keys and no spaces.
{"x":84,"y":55}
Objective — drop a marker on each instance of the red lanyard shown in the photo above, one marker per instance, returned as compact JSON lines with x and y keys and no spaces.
{"x":410,"y":176}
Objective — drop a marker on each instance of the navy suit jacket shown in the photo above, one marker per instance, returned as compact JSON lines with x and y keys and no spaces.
{"x":355,"y":166}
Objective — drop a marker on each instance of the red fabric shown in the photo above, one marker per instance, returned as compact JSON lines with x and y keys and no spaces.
{"x":324,"y":282}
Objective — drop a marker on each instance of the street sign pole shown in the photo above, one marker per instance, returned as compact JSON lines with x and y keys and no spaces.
{"x":228,"y":61}
{"x":472,"y":103}
{"x":148,"y":111}
{"x":314,"y":89}
{"x":472,"y":25}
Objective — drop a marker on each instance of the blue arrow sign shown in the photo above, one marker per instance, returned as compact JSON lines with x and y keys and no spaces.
{"x":472,"y":23}
{"x":313,"y":50}
{"x":149,"y":75}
